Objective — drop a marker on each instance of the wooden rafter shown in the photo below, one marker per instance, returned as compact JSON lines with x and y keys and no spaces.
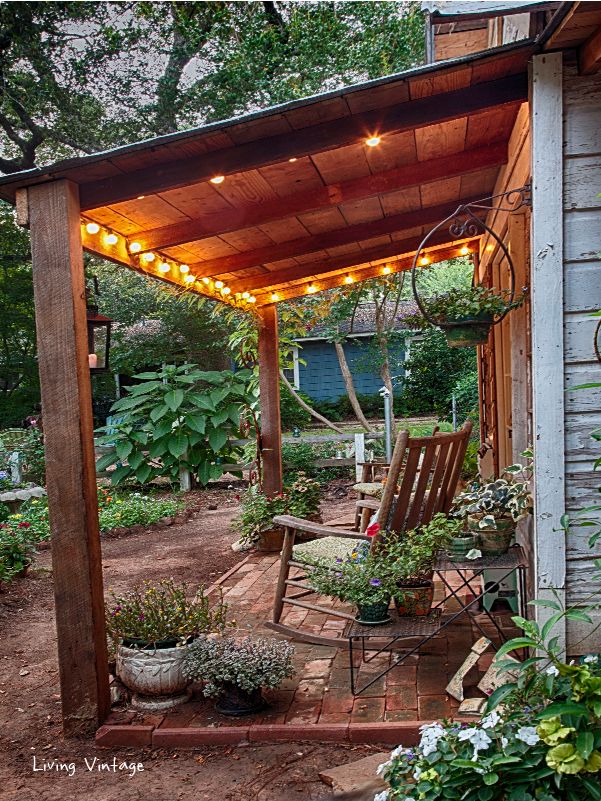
{"x":406,"y":116}
{"x":256,"y":214}
{"x":364,"y":271}
{"x":589,"y":55}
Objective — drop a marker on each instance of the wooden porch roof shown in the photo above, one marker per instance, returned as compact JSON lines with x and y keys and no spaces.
{"x":301,"y":202}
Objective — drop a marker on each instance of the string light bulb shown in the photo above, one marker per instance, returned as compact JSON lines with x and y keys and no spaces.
{"x":373,"y":141}
{"x":164,"y":267}
{"x":92,"y":228}
{"x":148,"y":257}
{"x":111,"y":239}
{"x":424,"y":261}
{"x":206,"y":280}
{"x":226,"y":290}
{"x":275,"y":297}
{"x":189,"y":279}
{"x":217,"y":179}
{"x":135,"y":247}
{"x":387,"y":270}
{"x":292,"y":160}
{"x":218,"y":284}
{"x":349,"y":279}
{"x":246,"y":295}
{"x":252,"y":299}
{"x":311,"y":289}
{"x":183,"y":268}
{"x":464,"y":250}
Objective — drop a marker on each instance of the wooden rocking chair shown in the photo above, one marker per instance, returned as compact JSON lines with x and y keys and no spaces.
{"x":430,"y":469}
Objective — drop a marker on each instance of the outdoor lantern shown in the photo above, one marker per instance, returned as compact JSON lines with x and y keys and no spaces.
{"x":296,"y":432}
{"x":99,"y":337}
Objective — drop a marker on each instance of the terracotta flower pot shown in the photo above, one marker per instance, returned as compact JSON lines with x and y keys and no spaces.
{"x":375,"y":614}
{"x":458,"y":547}
{"x":493,"y":541}
{"x":415,"y":598}
{"x":271,"y":541}
{"x":236,"y":702}
{"x":154,"y":675}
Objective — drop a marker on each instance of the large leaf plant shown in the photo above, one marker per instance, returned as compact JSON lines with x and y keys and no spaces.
{"x":179,"y":418}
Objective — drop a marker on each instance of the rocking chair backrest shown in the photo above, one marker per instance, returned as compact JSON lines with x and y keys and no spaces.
{"x":429,"y":469}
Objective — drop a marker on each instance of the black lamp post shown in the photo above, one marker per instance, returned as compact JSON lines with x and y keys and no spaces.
{"x":99,"y":336}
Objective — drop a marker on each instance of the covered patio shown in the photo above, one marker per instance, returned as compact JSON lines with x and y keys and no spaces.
{"x":294,"y":200}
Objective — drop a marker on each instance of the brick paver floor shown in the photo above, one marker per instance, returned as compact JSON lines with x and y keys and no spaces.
{"x":320,"y":691}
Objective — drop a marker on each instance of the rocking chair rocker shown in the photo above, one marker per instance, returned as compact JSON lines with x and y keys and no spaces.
{"x":426,"y":471}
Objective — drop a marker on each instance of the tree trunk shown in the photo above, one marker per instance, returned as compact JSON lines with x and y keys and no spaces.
{"x":350,"y":388}
{"x":308,"y":408}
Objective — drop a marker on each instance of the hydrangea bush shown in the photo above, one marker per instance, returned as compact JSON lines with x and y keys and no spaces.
{"x":250,"y":664}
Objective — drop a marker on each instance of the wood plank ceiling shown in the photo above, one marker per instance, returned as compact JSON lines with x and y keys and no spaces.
{"x":299,"y":200}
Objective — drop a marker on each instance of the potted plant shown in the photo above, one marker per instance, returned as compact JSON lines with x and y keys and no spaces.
{"x":412,"y":558}
{"x":461,"y":542}
{"x":364,"y":579}
{"x":236,"y":671}
{"x":494,"y":508}
{"x":467,"y":314}
{"x":152,"y":627}
{"x":255,"y":521}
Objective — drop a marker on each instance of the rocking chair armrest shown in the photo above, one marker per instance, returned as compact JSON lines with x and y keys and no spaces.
{"x":298,"y":524}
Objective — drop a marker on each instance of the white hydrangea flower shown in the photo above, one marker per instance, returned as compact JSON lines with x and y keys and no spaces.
{"x":491,"y":720}
{"x":528,"y":735}
{"x":383,"y":796}
{"x":552,"y":671}
{"x":477,"y":737}
{"x":591,"y":659}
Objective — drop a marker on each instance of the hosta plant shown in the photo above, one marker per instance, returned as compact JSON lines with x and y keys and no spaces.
{"x":508,"y":497}
{"x":179,"y":418}
{"x":250,"y":664}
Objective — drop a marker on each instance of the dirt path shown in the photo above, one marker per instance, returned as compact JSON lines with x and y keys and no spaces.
{"x":197,"y":551}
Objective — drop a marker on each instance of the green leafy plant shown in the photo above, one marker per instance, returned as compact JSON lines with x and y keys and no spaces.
{"x":17,"y":548}
{"x":413,"y":554}
{"x":465,"y":303}
{"x":156,"y":612}
{"x":34,"y":467}
{"x":179,"y":418}
{"x":504,"y":498}
{"x":363,"y":578}
{"x":250,"y":664}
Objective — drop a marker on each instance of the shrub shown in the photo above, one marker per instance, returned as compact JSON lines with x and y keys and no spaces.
{"x":467,"y":398}
{"x":291,"y":413}
{"x":17,"y":548}
{"x":303,"y":455}
{"x":135,"y":509}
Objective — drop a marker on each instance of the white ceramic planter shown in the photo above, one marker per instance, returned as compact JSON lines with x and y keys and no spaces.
{"x":154,"y":676}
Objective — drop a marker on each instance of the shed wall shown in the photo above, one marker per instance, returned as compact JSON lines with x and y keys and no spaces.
{"x":582,"y":295}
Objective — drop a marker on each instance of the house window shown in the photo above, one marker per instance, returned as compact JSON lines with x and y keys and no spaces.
{"x":293,"y":373}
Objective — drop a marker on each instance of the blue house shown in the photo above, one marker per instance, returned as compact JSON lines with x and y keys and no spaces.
{"x":316,"y":370}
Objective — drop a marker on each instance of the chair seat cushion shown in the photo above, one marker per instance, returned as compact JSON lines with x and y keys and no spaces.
{"x":324,"y":549}
{"x":373,"y":489}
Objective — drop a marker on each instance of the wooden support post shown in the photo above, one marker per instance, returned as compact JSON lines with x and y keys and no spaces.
{"x":60,"y":308}
{"x":269,"y":387}
{"x":518,"y":323}
{"x":547,"y":332}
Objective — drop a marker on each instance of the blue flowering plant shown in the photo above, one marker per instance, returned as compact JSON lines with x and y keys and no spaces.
{"x":363,"y":578}
{"x":539,"y":740}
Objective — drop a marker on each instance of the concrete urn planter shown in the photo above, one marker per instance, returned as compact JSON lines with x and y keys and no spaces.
{"x":154,"y":676}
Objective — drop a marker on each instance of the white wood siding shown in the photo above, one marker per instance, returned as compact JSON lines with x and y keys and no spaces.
{"x":582,"y":294}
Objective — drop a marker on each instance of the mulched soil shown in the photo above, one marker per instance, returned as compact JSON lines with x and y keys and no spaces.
{"x":195,"y":549}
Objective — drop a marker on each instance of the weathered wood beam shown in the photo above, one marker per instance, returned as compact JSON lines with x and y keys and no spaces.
{"x":589,"y":55}
{"x":269,"y":400}
{"x":323,"y":241}
{"x":409,"y":175}
{"x":361,"y":272}
{"x":60,"y":306}
{"x":405,"y":116}
{"x":320,"y":266}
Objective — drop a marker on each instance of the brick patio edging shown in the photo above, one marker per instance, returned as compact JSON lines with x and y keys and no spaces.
{"x":397,"y":733}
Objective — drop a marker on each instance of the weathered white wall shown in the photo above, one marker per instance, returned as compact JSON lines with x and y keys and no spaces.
{"x":582,"y":294}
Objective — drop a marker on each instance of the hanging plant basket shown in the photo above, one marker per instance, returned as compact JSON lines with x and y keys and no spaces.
{"x":467,"y":315}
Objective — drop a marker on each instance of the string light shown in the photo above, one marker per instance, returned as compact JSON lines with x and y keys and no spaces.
{"x":183,"y":268}
{"x":189,"y":279}
{"x":218,"y":284}
{"x":246,"y":295}
{"x":349,"y":279}
{"x":275,"y":297}
{"x":135,"y":247}
{"x":311,"y":289}
{"x":111,"y":239}
{"x":217,"y":179}
{"x":464,"y":250}
{"x":140,"y":197}
{"x":206,"y":280}
{"x":292,"y":160}
{"x":164,"y":267}
{"x":148,"y":257}
{"x":373,"y":141}
{"x":92,"y":228}
{"x":424,"y":261}
{"x":252,"y":299}
{"x":387,"y":270}
{"x":226,"y":290}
